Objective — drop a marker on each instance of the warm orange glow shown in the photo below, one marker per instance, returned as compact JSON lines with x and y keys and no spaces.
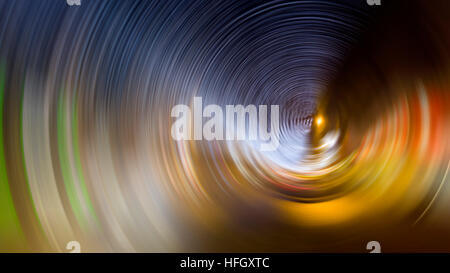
{"x":319,"y":120}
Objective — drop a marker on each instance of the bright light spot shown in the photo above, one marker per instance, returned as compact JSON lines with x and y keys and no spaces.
{"x":319,"y":120}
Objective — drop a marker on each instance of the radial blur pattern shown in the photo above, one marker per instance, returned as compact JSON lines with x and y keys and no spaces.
{"x":86,"y":152}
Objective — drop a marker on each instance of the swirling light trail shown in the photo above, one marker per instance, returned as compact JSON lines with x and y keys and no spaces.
{"x":86,"y":151}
